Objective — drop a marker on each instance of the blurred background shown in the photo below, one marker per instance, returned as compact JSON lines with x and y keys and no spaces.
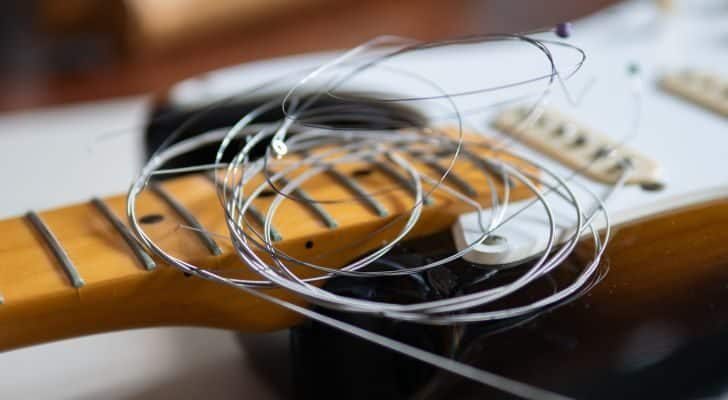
{"x":59,"y":51}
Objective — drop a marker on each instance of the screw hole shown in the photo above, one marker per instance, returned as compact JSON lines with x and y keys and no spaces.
{"x":309,"y":244}
{"x":494,"y":240}
{"x":151,"y":219}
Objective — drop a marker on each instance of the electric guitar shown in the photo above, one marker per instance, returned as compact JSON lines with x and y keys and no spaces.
{"x":74,"y":270}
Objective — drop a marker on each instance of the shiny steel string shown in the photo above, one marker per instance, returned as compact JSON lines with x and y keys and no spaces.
{"x":315,"y":131}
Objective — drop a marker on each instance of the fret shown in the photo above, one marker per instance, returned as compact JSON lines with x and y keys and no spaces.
{"x":486,"y":166}
{"x":354,"y":187}
{"x":135,"y":247}
{"x":56,"y":249}
{"x":189,"y":219}
{"x":257,"y":215}
{"x":41,"y":305}
{"x":399,"y":178}
{"x":316,"y":208}
{"x":453,"y":177}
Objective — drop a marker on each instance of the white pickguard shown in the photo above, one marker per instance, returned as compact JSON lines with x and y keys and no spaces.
{"x":689,"y":143}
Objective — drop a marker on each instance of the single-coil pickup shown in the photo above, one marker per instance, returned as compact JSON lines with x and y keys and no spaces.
{"x":704,"y":89}
{"x":578,"y":147}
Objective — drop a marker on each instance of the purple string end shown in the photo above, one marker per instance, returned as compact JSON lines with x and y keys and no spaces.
{"x":563,"y":30}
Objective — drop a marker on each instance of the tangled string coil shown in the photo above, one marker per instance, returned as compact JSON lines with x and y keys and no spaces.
{"x":310,"y":139}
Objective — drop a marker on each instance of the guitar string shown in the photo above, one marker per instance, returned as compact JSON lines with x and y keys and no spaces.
{"x":382,"y":143}
{"x":455,"y":155}
{"x":442,"y":362}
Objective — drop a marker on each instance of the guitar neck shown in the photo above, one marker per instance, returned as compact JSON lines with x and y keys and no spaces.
{"x":99,"y":281}
{"x":74,"y":271}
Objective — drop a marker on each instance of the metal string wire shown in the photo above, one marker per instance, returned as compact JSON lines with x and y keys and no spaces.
{"x":320,"y":145}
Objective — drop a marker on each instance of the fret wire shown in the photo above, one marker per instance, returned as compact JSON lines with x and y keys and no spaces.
{"x":189,"y":219}
{"x":313,"y":206}
{"x":392,"y":173}
{"x":56,"y":249}
{"x":440,"y":169}
{"x":136,"y":248}
{"x":486,"y":166}
{"x":353,"y":186}
{"x":260,"y":219}
{"x":254,"y":212}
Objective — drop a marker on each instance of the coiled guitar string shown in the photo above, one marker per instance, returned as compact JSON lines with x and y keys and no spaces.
{"x":320,"y":146}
